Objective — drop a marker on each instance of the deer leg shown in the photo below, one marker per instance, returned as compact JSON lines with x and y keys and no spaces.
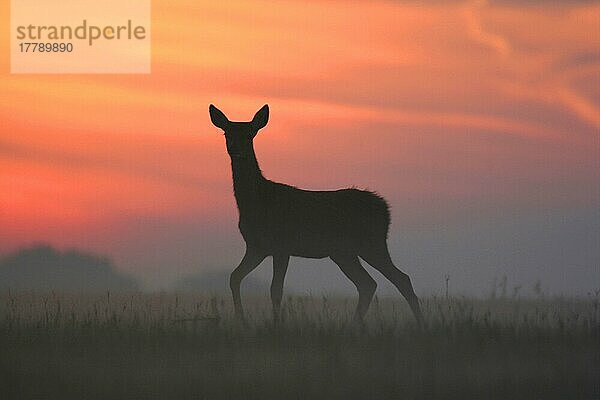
{"x":280,"y":265}
{"x":380,"y":259}
{"x":350,"y":266}
{"x":250,"y":261}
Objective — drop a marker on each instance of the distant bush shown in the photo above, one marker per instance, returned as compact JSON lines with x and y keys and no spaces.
{"x":44,"y":268}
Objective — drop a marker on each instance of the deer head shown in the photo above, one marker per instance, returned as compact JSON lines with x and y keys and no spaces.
{"x":239,"y":135}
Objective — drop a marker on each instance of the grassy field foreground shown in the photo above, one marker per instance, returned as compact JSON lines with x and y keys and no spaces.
{"x":169,"y":346}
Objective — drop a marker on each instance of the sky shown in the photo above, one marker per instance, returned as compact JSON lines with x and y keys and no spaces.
{"x":478,"y":121}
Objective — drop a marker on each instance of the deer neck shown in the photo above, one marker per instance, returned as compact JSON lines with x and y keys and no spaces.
{"x":247,"y":181}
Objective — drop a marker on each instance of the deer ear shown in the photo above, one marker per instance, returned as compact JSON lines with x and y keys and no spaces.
{"x":217,"y":117}
{"x":261,"y":117}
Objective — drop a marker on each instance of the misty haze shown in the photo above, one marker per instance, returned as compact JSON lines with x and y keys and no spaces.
{"x":305,"y":200}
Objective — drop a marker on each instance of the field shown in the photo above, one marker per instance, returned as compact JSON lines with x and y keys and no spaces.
{"x":175,"y":346}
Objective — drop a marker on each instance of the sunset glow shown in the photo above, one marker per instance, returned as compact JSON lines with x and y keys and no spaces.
{"x":490,"y":106}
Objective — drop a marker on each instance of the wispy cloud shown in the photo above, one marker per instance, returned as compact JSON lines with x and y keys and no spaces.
{"x":486,"y":102}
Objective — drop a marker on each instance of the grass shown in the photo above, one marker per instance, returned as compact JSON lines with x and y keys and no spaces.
{"x":161,"y":346}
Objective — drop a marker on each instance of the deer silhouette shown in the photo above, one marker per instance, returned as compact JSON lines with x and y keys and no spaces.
{"x":281,"y":221}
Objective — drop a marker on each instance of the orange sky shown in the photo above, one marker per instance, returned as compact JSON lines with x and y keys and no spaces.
{"x":445,"y":109}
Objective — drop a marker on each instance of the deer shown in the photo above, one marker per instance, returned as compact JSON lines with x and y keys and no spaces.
{"x":280,"y":221}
